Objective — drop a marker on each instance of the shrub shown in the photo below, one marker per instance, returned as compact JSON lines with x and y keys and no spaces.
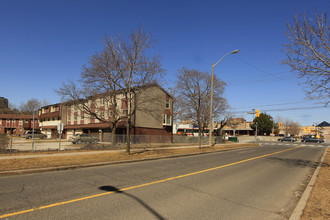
{"x":4,"y":142}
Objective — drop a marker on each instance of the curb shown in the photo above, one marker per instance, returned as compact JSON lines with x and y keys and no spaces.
{"x":70,"y":167}
{"x":298,"y":211}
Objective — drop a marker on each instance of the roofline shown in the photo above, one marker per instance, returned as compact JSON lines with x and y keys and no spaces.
{"x":119,"y":91}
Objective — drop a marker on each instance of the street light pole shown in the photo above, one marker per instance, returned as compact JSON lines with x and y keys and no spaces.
{"x":211,"y":110}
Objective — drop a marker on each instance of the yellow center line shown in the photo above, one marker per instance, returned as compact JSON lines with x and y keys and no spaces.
{"x":142,"y":185}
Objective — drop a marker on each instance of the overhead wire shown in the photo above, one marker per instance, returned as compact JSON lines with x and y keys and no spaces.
{"x":285,"y":103}
{"x":287,"y":109}
{"x":274,"y":76}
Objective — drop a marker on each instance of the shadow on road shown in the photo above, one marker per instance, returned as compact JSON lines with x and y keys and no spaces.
{"x":116,"y":190}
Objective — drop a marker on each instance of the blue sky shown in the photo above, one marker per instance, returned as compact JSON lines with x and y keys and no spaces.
{"x":44,"y":43}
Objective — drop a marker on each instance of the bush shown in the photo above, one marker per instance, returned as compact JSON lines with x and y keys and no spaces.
{"x":4,"y":142}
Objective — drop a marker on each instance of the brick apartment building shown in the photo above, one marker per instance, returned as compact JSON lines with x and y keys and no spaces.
{"x":16,"y":124}
{"x":152,"y":115}
{"x":49,"y":117}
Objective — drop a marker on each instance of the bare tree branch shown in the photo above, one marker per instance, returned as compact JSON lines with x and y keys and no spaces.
{"x":193,"y":90}
{"x":115,"y":75}
{"x":308,"y":53}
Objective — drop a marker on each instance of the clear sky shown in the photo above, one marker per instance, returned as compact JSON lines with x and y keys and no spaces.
{"x":44,"y":43}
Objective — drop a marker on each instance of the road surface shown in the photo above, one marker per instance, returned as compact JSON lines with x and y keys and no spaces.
{"x":255,"y":183}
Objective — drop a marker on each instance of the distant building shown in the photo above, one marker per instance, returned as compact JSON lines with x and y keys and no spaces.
{"x":16,"y":124}
{"x":322,"y":129}
{"x":238,"y":125}
{"x":3,"y":102}
{"x":323,"y":124}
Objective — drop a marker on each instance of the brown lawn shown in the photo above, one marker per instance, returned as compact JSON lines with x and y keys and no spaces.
{"x":318,"y":205}
{"x":102,"y":157}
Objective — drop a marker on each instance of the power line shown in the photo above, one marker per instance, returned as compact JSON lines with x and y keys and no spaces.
{"x":259,"y":69}
{"x":249,"y":78}
{"x":269,"y":80}
{"x":288,"y":109}
{"x":286,"y":103}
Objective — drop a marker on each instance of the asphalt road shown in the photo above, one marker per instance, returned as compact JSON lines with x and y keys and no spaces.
{"x":255,"y":183}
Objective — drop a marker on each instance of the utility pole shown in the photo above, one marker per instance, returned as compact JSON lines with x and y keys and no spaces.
{"x":256,"y":137}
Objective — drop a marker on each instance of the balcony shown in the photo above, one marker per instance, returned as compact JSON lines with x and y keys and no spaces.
{"x":50,"y":115}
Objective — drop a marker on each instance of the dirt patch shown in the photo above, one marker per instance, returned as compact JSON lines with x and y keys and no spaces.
{"x":318,"y":205}
{"x":102,"y":157}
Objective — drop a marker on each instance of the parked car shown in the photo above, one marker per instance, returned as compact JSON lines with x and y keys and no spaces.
{"x":37,"y":134}
{"x":318,"y":140}
{"x":291,"y":139}
{"x":83,"y":138}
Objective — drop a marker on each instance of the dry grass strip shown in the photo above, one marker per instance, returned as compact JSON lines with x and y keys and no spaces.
{"x":65,"y":160}
{"x":318,"y":205}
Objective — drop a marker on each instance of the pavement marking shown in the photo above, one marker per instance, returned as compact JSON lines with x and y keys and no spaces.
{"x":141,"y":185}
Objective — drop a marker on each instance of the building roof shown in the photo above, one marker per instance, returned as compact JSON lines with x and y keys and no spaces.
{"x":119,"y":91}
{"x":16,"y":116}
{"x":324,"y":124}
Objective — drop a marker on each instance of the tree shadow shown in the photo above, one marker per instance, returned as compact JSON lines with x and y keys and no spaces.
{"x":146,"y":206}
{"x":296,"y":162}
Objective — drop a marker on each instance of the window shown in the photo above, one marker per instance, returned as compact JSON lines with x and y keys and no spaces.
{"x":75,"y":107}
{"x":125,"y":112}
{"x":167,"y":119}
{"x":102,"y":101}
{"x":75,"y":117}
{"x":167,"y":103}
{"x":102,"y":114}
{"x":82,"y":117}
{"x":21,"y":122}
{"x":69,"y":118}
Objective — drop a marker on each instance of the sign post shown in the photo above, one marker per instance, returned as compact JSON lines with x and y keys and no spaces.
{"x":59,"y":130}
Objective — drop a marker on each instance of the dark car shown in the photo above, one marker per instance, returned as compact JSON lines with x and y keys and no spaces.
{"x":83,"y":138}
{"x":37,"y":134}
{"x":317,"y":140}
{"x":291,"y":139}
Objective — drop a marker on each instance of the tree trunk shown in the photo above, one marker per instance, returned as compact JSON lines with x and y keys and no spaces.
{"x":128,"y":147}
{"x":199,"y":138}
{"x":113,"y":136}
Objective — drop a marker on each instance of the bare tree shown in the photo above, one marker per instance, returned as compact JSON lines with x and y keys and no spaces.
{"x":291,"y":127}
{"x":193,"y":96}
{"x":31,"y":105}
{"x":117,"y":72}
{"x":133,"y":67}
{"x":308,"y":53}
{"x":227,"y":116}
{"x":92,"y":104}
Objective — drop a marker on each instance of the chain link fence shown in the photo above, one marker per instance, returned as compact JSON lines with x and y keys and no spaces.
{"x":159,"y":140}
